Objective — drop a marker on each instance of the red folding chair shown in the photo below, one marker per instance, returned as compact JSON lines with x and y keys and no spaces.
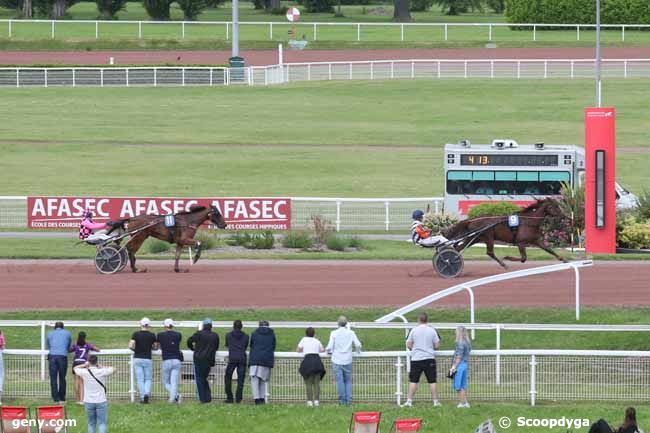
{"x":365,"y":422}
{"x":51,"y":419}
{"x":11,"y":417}
{"x":406,"y":425}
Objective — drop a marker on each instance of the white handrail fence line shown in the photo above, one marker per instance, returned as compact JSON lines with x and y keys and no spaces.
{"x":155,"y":76}
{"x":528,"y":375}
{"x":343,"y":213}
{"x":401,"y":31}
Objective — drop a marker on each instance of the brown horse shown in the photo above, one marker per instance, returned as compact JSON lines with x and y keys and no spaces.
{"x":181,"y":234}
{"x":528,"y":233}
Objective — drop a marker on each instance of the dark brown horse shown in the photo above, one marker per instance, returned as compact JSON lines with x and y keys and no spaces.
{"x":181,"y":234}
{"x":528,"y":233}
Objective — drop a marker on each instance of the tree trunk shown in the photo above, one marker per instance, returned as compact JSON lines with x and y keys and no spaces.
{"x":58,"y":9}
{"x":272,"y":4}
{"x":401,"y":12}
{"x":28,"y":10}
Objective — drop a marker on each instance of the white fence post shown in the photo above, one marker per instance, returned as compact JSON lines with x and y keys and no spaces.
{"x":445,"y":32}
{"x":545,"y":69}
{"x":338,"y":215}
{"x":534,"y":32}
{"x":491,"y":68}
{"x":572,"y":69}
{"x":402,"y":32}
{"x":183,"y":30}
{"x":43,"y":348}
{"x":577,"y":273}
{"x":45,"y":77}
{"x":139,"y":29}
{"x":387,"y":209}
{"x":350,"y":70}
{"x":315,"y":31}
{"x":74,"y":77}
{"x":270,"y":30}
{"x":518,"y":69}
{"x":398,"y":380}
{"x":10,"y":22}
{"x":183,"y":72}
{"x":438,"y":69}
{"x":227,"y":30}
{"x":624,"y":68}
{"x":372,"y":70}
{"x":578,"y":32}
{"x":358,"y":32}
{"x":533,"y":387}
{"x":412,"y":69}
{"x":623,"y":33}
{"x":101,"y":77}
{"x":96,"y":29}
{"x":131,"y":380}
{"x":392,"y":69}
{"x":497,"y":367}
{"x":464,"y":69}
{"x":155,"y":77}
{"x":329,"y":71}
{"x":490,"y":33}
{"x":127,"y":77}
{"x":309,"y":72}
{"x":53,"y":29}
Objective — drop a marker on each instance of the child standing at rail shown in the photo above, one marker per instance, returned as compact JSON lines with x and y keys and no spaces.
{"x":81,"y":352}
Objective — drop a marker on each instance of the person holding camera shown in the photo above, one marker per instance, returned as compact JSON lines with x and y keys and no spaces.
{"x":460,"y":366}
{"x":95,"y":394}
{"x":422,"y":341}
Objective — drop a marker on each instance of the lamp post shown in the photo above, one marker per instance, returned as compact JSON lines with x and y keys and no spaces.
{"x":235,"y":60}
{"x":598,"y":57}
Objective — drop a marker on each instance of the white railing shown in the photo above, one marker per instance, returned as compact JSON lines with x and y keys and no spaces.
{"x":526,"y":375}
{"x":511,"y":69}
{"x":469,"y":285}
{"x":261,"y":30}
{"x":343,"y":213}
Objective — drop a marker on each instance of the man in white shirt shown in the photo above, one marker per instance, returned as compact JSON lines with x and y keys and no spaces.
{"x":95,"y":401}
{"x":422,"y":341}
{"x":340,"y":347}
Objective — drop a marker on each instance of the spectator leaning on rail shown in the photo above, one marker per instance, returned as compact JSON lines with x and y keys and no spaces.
{"x":81,"y":350}
{"x":2,"y":365}
{"x":421,"y":235}
{"x":422,"y":341}
{"x":340,"y":347}
{"x":629,"y":424}
{"x":205,"y":344}
{"x":237,"y":343}
{"x":58,"y":345}
{"x":262,"y":358}
{"x":460,"y":365}
{"x":311,"y":367}
{"x":95,"y":399}
{"x":142,"y":343}
{"x":170,"y":345}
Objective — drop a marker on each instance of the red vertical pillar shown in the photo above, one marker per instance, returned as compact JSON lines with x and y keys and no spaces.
{"x":600,"y":177}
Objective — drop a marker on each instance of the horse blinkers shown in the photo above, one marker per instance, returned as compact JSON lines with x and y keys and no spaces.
{"x":217,"y":218}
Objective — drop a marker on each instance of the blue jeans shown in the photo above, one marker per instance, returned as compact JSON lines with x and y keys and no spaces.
{"x":143,"y":373}
{"x":97,"y":414}
{"x":171,"y":369}
{"x":58,"y":368}
{"x":343,"y":374}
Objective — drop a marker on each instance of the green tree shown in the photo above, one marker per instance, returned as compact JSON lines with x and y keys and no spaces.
{"x":192,"y":8}
{"x":402,"y":11}
{"x":497,"y":6}
{"x":157,"y":9}
{"x":421,"y":5}
{"x":456,"y":7}
{"x":54,"y":9}
{"x":313,"y":6}
{"x":109,"y":8}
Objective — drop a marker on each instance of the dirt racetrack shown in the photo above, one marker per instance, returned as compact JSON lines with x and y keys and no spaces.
{"x":73,"y":284}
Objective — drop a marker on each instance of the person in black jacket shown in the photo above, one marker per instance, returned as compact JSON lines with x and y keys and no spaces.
{"x":261,"y":360}
{"x":237,"y":343}
{"x":629,"y":424}
{"x":205,"y":344}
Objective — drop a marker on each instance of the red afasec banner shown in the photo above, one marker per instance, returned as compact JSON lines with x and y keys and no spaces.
{"x":239,"y":213}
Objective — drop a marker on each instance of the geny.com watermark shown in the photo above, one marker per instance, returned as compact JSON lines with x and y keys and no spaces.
{"x":548,"y":423}
{"x":56,"y":424}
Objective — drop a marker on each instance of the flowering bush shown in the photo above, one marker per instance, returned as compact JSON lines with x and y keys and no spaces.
{"x":438,"y":222}
{"x":634,"y":233}
{"x":556,"y":232}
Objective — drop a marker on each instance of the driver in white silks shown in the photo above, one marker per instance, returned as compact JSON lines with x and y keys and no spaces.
{"x":421,"y":235}
{"x":87,"y":228}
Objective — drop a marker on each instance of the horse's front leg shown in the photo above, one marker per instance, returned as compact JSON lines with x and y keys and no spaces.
{"x":540,"y":244}
{"x":522,"y":252}
{"x":177,"y":268}
{"x":132,"y":247}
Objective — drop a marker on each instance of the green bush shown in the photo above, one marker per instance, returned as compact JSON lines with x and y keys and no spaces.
{"x":336,"y":243}
{"x":156,"y":246}
{"x":261,"y":241}
{"x":421,"y":5}
{"x":643,"y":207}
{"x":577,"y":11}
{"x":158,"y":10}
{"x":500,"y":208}
{"x":208,"y":240}
{"x":634,"y":233}
{"x":312,"y":6}
{"x":297,"y":239}
{"x":322,"y":229}
{"x":282,"y":10}
{"x":355,"y":242}
{"x":109,"y":8}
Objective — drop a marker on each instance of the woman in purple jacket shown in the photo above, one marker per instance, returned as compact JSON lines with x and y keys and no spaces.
{"x":81,"y":352}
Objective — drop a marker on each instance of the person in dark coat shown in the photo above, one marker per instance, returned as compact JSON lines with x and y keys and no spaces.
{"x":629,"y":424}
{"x":311,"y":367}
{"x":237,"y":343}
{"x":205,"y":344}
{"x":261,"y":360}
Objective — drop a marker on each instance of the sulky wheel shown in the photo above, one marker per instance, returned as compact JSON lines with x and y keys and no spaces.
{"x":448,"y":263}
{"x":108,"y":259}
{"x":124,"y":255}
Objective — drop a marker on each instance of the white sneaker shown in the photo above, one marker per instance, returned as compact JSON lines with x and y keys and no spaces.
{"x":316,"y":403}
{"x":310,"y":403}
{"x":408,"y":403}
{"x":436,"y":403}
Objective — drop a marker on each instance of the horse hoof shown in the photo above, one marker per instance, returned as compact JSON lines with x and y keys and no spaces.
{"x":181,"y":271}
{"x":139,"y":270}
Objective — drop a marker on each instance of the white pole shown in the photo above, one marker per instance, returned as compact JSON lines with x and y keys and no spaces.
{"x":9,"y":28}
{"x":533,"y":387}
{"x":575,"y":269}
{"x":338,"y":215}
{"x":598,"y":57}
{"x":42,"y":348}
{"x":96,"y":29}
{"x":52,"y":29}
{"x":398,"y":381}
{"x":280,"y":55}
{"x":498,"y":356}
{"x":235,"y":28}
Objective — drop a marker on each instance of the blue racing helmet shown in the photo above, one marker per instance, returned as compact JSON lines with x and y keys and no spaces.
{"x":417,"y":214}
